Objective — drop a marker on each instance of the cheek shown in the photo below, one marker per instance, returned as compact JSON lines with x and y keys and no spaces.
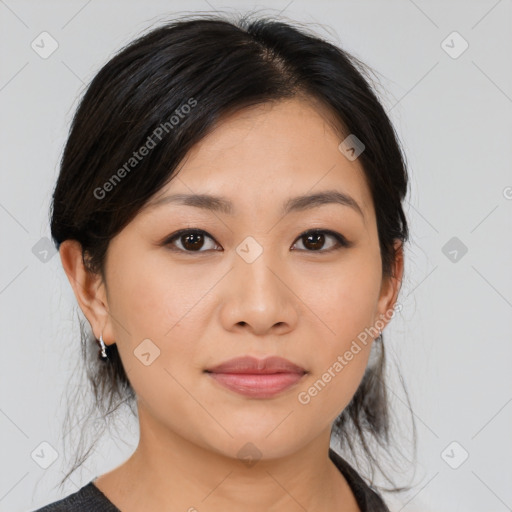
{"x":345,"y":300}
{"x":155,"y":298}
{"x":166,"y":305}
{"x":345,"y":307}
{"x":160,"y":308}
{"x":339,"y":364}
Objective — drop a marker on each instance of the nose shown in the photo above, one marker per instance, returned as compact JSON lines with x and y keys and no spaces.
{"x":258,"y":296}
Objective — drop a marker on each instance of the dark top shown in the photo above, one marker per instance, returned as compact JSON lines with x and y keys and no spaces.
{"x":90,"y":499}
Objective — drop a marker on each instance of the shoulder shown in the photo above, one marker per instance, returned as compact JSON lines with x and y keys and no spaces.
{"x":87,"y":499}
{"x":367,"y":498}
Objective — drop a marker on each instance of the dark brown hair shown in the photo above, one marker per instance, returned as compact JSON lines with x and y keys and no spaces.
{"x":223,"y":66}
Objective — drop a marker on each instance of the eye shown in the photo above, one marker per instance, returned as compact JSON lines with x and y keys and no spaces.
{"x":315,"y":239}
{"x":191,"y":240}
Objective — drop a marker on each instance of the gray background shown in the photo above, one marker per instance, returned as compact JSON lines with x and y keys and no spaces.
{"x":452,"y":336}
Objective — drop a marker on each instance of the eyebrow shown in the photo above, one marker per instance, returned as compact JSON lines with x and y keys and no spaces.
{"x":295,"y":204}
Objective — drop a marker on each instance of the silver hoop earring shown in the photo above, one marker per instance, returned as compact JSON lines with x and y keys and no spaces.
{"x":103,"y":354}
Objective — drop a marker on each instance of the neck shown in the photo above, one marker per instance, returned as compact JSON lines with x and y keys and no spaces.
{"x":169,"y":472}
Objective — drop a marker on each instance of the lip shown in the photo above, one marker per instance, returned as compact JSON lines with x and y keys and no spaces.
{"x":252,"y":365}
{"x":257,"y":378}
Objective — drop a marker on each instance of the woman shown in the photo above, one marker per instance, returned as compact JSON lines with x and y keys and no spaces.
{"x":229,"y":215}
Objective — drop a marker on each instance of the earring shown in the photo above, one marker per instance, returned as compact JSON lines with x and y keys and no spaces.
{"x":379,"y":337}
{"x":103,"y":355}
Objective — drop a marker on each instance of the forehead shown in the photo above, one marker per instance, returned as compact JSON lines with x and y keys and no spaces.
{"x":264,"y":154}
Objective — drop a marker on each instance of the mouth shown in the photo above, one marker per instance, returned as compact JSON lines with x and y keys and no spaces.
{"x":257,"y":378}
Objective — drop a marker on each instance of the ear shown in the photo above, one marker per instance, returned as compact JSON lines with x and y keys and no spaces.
{"x":89,"y":290}
{"x":391,"y":286}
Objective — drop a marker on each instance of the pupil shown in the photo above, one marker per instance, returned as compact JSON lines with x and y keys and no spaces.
{"x":320,"y":238}
{"x":193,"y":245}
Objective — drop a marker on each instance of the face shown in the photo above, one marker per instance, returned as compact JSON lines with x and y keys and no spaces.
{"x":265,"y":276}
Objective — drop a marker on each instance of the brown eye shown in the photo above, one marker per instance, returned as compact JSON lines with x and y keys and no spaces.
{"x":316,"y":240}
{"x":189,"y":240}
{"x":192,"y":241}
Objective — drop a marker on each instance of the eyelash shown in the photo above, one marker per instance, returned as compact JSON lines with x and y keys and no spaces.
{"x":342,"y":242}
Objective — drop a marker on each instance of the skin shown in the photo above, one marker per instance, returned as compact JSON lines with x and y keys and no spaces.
{"x":202,"y":308}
